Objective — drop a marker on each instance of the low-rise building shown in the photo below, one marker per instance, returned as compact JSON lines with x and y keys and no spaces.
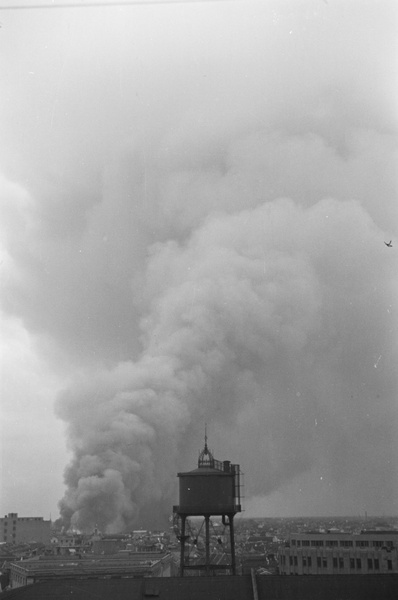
{"x":108,"y":546}
{"x":71,"y":543}
{"x":17,"y":530}
{"x":321,"y":553}
{"x":27,"y":572}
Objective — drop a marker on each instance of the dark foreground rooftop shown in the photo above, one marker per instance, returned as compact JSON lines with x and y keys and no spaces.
{"x":272,"y":587}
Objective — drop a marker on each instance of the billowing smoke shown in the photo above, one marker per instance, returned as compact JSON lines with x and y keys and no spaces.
{"x":197,"y":237}
{"x":254,"y":323}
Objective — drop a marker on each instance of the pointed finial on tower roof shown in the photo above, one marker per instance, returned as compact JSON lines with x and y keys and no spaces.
{"x":206,"y":458}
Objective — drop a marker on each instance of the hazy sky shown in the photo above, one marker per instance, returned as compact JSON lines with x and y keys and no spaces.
{"x":194,"y":204}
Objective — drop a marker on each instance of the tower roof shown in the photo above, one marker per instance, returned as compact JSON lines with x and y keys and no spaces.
{"x":206,"y":459}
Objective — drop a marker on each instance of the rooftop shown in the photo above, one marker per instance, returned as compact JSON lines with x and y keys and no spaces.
{"x":243,"y":587}
{"x":90,"y":564}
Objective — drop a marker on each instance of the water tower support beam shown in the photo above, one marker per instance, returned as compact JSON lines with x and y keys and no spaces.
{"x":232,"y":539}
{"x":182,"y":543}
{"x":207,"y":523}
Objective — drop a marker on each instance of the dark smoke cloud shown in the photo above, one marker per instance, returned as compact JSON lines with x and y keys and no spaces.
{"x":190,"y":247}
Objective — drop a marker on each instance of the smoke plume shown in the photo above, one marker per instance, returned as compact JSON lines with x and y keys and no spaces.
{"x":196,"y":237}
{"x":249,"y":324}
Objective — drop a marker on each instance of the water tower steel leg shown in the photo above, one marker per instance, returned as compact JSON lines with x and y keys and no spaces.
{"x":232,"y":538}
{"x":207,"y":522}
{"x":182,"y":542}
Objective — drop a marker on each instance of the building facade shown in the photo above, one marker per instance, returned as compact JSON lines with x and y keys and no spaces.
{"x":17,"y":530}
{"x":322,"y":553}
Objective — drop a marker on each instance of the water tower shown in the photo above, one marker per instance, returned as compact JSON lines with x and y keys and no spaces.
{"x":213,"y":489}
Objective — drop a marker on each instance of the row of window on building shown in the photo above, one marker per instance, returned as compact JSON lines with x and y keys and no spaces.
{"x":343,"y":543}
{"x":373,"y":564}
{"x":13,"y":534}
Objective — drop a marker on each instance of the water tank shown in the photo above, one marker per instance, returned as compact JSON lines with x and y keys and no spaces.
{"x":212,"y":488}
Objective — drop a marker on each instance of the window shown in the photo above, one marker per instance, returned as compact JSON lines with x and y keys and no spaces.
{"x":295,"y":561}
{"x":291,"y":561}
{"x":293,"y":542}
{"x":341,"y":562}
{"x":298,"y":542}
{"x":306,"y":542}
{"x":304,"y":561}
{"x":325,"y":563}
{"x":318,"y":562}
{"x":309,"y":560}
{"x":377,"y":564}
{"x":352,"y":563}
{"x":370,"y":564}
{"x":359,"y":563}
{"x":389,"y":565}
{"x":389,"y":544}
{"x":332,"y":543}
{"x":346,"y":543}
{"x":316,"y":542}
{"x":361,"y":543}
{"x":377,"y":544}
{"x":334,"y":563}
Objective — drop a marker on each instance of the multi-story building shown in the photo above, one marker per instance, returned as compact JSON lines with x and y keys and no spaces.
{"x":339,"y":553}
{"x":16,"y":530}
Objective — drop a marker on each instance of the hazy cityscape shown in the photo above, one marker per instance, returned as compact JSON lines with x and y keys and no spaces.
{"x":202,"y":539}
{"x":260,"y":543}
{"x":198,"y":324}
